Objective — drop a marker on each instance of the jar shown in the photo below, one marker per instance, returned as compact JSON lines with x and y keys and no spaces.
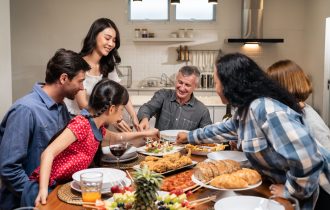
{"x":144,"y":33}
{"x":181,"y":33}
{"x":137,"y":33}
{"x":190,"y":33}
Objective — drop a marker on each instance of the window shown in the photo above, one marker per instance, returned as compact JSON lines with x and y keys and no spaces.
{"x":195,"y":10}
{"x":149,"y":10}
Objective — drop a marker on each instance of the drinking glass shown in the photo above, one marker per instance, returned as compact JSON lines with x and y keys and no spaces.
{"x":118,"y":150}
{"x":91,"y":186}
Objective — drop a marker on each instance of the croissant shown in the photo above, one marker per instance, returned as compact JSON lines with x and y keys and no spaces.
{"x":229,"y":181}
{"x":249,"y":175}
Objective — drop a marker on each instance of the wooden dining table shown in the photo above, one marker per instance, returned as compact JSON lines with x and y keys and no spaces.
{"x":54,"y":203}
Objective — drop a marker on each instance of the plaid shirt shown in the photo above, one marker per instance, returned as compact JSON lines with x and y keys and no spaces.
{"x":278,"y":145}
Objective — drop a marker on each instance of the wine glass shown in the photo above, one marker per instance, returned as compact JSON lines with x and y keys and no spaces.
{"x":118,"y":150}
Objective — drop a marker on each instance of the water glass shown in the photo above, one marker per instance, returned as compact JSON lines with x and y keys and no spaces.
{"x":91,"y":186}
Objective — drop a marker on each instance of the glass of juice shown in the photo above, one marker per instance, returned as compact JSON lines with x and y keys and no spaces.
{"x":91,"y":186}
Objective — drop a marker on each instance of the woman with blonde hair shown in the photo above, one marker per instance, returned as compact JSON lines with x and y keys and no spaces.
{"x":291,"y":77}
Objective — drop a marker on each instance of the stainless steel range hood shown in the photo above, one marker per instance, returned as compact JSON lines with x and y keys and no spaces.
{"x":252,"y":24}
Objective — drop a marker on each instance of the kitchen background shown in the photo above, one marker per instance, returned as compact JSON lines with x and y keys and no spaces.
{"x":39,"y":27}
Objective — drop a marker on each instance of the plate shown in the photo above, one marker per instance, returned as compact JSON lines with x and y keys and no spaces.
{"x":108,"y":159}
{"x":249,"y":203}
{"x":204,"y":149}
{"x":160,"y":154}
{"x":136,"y":167}
{"x":231,"y":155}
{"x":75,"y":185}
{"x":111,"y":176}
{"x":170,"y":135}
{"x":194,"y":179}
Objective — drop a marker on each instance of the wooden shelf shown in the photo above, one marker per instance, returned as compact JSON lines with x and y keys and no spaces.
{"x":163,"y":40}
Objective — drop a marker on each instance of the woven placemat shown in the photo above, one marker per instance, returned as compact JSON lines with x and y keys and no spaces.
{"x":67,"y":195}
{"x":125,"y":165}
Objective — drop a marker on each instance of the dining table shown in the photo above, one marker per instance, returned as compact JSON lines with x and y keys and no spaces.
{"x":54,"y":203}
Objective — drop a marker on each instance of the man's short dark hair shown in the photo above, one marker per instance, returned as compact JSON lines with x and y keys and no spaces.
{"x":64,"y":61}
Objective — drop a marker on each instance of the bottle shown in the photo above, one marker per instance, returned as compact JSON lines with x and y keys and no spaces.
{"x":137,"y":33}
{"x":228,"y":113}
{"x":186,"y":53}
{"x":179,"y":51}
{"x":144,"y":33}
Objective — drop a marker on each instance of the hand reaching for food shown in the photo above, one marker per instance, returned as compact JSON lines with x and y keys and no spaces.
{"x":181,"y":138}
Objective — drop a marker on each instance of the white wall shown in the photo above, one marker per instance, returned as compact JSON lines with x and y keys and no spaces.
{"x":5,"y":58}
{"x":315,"y":18}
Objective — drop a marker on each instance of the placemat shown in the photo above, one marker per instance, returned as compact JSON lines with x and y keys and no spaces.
{"x":67,"y":195}
{"x":125,"y":165}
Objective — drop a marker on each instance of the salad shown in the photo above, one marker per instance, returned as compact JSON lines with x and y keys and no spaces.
{"x":158,"y":146}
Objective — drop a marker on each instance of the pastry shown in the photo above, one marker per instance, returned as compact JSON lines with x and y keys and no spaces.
{"x":229,"y":181}
{"x":249,"y":175}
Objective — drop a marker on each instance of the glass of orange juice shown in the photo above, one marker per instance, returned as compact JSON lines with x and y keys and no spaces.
{"x":91,"y":186}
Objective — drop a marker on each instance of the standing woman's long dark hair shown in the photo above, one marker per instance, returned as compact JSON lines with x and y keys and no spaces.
{"x":107,"y":63}
{"x":244,"y":81}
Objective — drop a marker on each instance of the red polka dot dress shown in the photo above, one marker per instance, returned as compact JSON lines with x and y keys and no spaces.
{"x":75,"y":157}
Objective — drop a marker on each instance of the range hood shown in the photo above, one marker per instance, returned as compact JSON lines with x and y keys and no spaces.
{"x":252,"y":24}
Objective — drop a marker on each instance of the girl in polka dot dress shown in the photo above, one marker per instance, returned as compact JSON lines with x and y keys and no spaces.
{"x":75,"y":147}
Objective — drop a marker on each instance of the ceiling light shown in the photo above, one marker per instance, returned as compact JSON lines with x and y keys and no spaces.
{"x":213,"y":1}
{"x":175,"y":1}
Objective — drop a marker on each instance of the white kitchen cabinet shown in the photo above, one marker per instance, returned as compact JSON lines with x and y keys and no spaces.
{"x":218,"y":113}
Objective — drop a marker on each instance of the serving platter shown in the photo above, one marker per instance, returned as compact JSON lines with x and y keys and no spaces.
{"x":142,"y":150}
{"x":247,"y":203}
{"x":194,"y":179}
{"x":136,"y":167}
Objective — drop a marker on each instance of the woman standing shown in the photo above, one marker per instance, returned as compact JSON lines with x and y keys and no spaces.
{"x":100,"y":50}
{"x":268,"y":127}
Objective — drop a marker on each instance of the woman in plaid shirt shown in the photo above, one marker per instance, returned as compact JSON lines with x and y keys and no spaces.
{"x":268,"y":127}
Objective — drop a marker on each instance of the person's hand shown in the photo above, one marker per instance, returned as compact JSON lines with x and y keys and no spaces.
{"x":144,"y":124}
{"x":122,"y":126}
{"x":41,"y":197}
{"x":182,"y":137}
{"x":277,"y":190}
{"x":136,"y":124}
{"x":233,"y":145}
{"x":152,"y":132}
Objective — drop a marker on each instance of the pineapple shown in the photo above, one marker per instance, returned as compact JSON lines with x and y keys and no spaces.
{"x":147,"y":183}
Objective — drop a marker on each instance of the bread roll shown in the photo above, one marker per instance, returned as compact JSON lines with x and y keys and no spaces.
{"x":229,"y":181}
{"x":249,"y":175}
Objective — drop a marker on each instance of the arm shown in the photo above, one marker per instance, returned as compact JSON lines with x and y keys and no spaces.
{"x":130,"y":109}
{"x":56,"y":147}
{"x":114,"y":137}
{"x":292,"y":141}
{"x":151,"y":108}
{"x":15,"y":141}
{"x":81,"y":98}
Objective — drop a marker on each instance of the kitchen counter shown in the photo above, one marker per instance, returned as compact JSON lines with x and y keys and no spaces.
{"x":158,"y":88}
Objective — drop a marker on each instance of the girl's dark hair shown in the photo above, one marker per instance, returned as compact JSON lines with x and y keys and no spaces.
{"x":244,"y":81}
{"x":107,"y":63}
{"x":106,"y":93}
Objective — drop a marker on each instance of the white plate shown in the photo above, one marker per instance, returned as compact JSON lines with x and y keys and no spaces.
{"x":136,"y":167}
{"x":76,"y":186}
{"x":108,"y":159}
{"x":231,"y":155}
{"x":142,"y":150}
{"x":196,"y":181}
{"x":111,"y":176}
{"x":247,"y":203}
{"x":170,"y":135}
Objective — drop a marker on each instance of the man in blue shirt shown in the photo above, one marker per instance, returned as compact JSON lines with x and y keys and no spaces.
{"x":31,"y":122}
